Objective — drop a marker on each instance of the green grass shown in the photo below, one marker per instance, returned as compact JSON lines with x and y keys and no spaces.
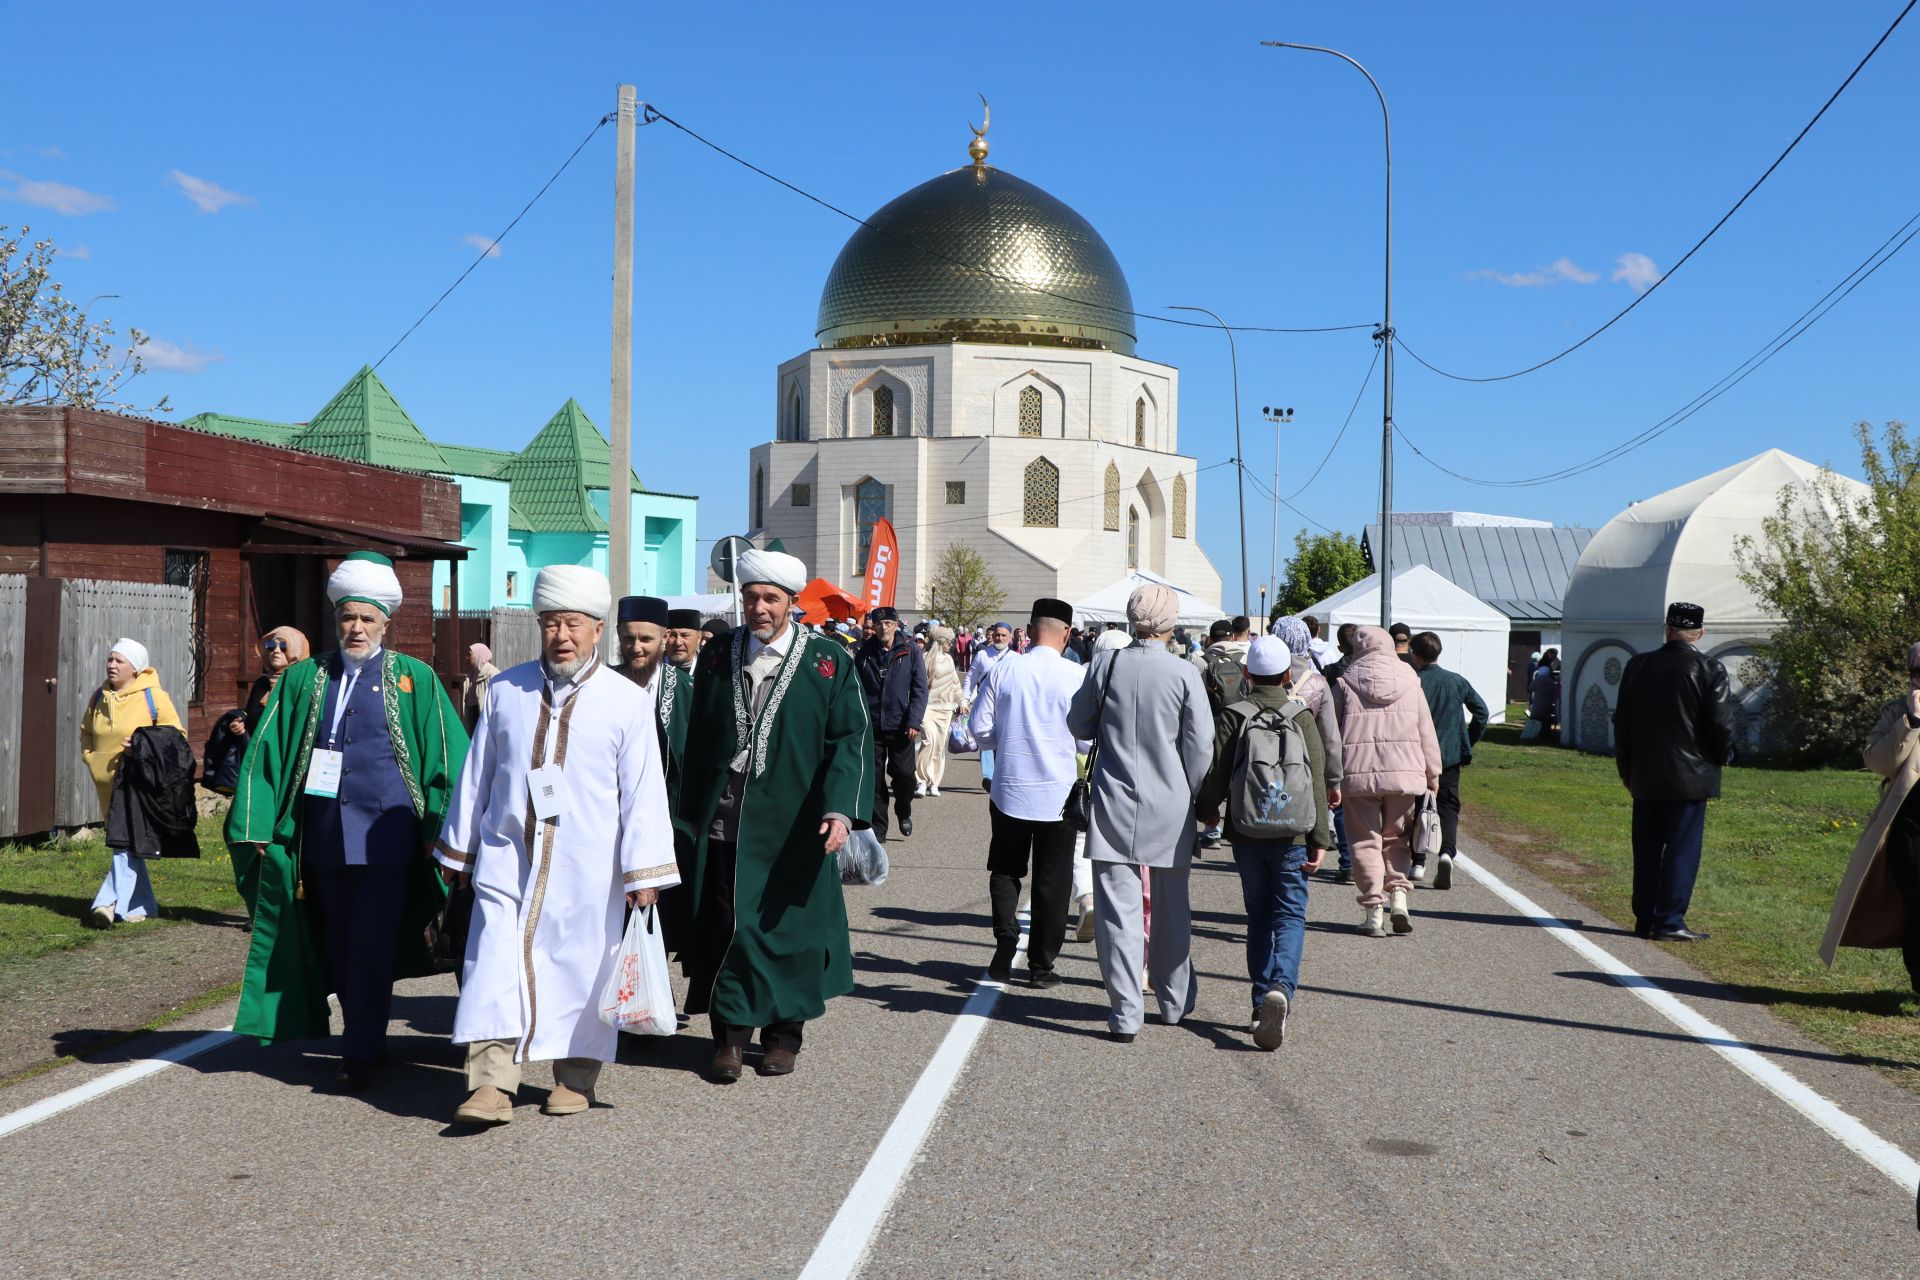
{"x":45,"y":891}
{"x":1777,"y":842}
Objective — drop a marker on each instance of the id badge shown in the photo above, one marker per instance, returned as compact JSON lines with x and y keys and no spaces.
{"x":547,"y":787}
{"x":323,"y":773}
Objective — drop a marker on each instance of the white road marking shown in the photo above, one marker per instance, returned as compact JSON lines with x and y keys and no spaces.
{"x":1823,"y":1111}
{"x":841,"y":1249}
{"x":14,"y":1121}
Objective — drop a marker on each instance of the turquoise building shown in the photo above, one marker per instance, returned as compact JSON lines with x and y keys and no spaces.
{"x":520,"y":511}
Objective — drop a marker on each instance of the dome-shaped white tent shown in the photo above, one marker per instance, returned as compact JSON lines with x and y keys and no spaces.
{"x":1473,"y":635}
{"x":1678,"y":545}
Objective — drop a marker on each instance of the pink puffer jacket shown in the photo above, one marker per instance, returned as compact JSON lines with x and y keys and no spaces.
{"x":1386,"y":729}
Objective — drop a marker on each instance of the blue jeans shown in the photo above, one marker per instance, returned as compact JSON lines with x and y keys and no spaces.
{"x":1340,"y":838}
{"x":1273,"y":883}
{"x":1666,"y":859}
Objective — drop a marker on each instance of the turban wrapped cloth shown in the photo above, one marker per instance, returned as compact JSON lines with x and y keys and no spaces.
{"x":1153,"y":608}
{"x":133,"y":651}
{"x":365,"y":577}
{"x":572,"y":588}
{"x":775,"y":568}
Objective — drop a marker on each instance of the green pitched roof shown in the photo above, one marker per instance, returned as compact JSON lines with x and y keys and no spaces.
{"x":257,"y":429}
{"x":549,"y":479}
{"x":364,"y":423}
{"x":472,"y":460}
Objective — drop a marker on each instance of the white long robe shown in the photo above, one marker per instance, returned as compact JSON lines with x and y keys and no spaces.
{"x":548,"y":895}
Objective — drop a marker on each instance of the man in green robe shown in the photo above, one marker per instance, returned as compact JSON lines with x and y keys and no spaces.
{"x":642,"y":630}
{"x":341,"y":795}
{"x":777,"y":774}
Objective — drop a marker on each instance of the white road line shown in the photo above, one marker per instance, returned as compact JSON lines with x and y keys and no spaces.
{"x":1823,"y":1111}
{"x":14,"y":1121}
{"x":841,"y":1249}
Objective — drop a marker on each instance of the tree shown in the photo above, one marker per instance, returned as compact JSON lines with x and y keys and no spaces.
{"x":1839,"y":570}
{"x":1321,"y":565}
{"x":50,"y":352}
{"x":963,"y":590}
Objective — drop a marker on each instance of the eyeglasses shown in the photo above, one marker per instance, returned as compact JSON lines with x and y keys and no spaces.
{"x":268,"y":646}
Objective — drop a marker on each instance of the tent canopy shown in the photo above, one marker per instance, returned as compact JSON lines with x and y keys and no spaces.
{"x":1423,"y":599}
{"x":1109,"y":604}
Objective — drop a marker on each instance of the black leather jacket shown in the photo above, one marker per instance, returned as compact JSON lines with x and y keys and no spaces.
{"x":1673,"y":724}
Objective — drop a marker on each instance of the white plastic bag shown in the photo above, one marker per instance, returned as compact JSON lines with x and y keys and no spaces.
{"x":639,"y":995}
{"x":1426,"y":830}
{"x":960,"y":736}
{"x":863,"y":859}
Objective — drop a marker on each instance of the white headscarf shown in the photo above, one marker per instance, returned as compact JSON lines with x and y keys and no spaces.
{"x":1112,"y":639}
{"x":368,"y":577}
{"x":133,"y":651}
{"x":572,"y":588}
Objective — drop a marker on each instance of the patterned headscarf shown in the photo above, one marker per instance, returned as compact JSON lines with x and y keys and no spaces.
{"x":1298,"y":639}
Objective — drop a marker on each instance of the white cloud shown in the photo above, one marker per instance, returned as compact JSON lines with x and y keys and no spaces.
{"x":79,"y":251}
{"x":52,"y":153}
{"x":1637,"y":270}
{"x":170,"y":357}
{"x":208,"y":197}
{"x":474,"y":240}
{"x":1560,"y":271}
{"x":57,"y":196}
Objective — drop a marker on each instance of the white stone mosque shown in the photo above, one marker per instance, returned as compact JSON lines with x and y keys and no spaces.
{"x":975,"y":381}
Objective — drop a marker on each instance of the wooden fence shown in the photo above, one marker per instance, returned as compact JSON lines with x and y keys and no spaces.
{"x":13,"y":635}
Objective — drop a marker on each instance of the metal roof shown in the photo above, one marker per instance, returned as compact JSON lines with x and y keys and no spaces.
{"x":1520,"y":571}
{"x":364,"y":422}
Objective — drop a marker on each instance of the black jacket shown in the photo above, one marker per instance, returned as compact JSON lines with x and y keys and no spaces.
{"x":152,"y":809}
{"x":226,"y":748}
{"x":1673,"y":724}
{"x":896,"y":683}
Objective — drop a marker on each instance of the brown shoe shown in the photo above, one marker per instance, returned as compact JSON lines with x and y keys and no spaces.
{"x":726,"y":1064}
{"x":566,"y":1102}
{"x":778,"y":1062}
{"x":485,"y":1105}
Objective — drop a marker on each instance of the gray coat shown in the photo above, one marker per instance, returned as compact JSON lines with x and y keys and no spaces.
{"x":1148,"y":711}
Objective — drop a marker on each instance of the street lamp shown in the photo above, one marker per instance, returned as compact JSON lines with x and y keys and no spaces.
{"x":1383,"y":554}
{"x":1277,"y":418}
{"x":1239,"y":459}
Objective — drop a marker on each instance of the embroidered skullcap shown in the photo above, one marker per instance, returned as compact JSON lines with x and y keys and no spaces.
{"x":1686,"y":617}
{"x":1293,"y":632}
{"x":683,"y":619}
{"x":133,"y":651}
{"x":1048,"y":607}
{"x":1269,"y":656}
{"x":776,"y":568}
{"x":365,"y":577}
{"x":644,"y":609}
{"x":1112,"y":638}
{"x":572,"y":588}
{"x":1153,"y":608}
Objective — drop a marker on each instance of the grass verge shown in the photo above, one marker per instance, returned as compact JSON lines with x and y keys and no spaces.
{"x":203,"y":1001}
{"x":1777,"y":842}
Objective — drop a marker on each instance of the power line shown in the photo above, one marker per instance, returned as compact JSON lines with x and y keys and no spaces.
{"x":1261,"y":486}
{"x":1883,"y":254}
{"x":495,"y":243}
{"x":1668,"y":275}
{"x":654,"y":113}
{"x":1364,"y":382}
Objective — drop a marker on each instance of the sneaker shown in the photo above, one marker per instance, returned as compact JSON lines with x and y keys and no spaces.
{"x":1212,"y":837}
{"x":933,"y":791}
{"x":920,"y":792}
{"x":1271,"y":1026}
{"x":1397,"y":909}
{"x":1085,"y":931}
{"x":1419,"y":872}
{"x":485,"y":1105}
{"x":100,"y":918}
{"x":1443,"y":872}
{"x":1373,"y":924}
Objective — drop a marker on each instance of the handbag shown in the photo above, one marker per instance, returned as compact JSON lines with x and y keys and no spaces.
{"x":447,"y":931}
{"x":1426,"y":828}
{"x":1078,"y":811}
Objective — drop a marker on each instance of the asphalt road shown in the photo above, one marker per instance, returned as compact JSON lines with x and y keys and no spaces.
{"x":1471,"y":1100}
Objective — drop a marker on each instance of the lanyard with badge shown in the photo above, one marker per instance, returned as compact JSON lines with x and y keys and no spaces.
{"x":325,"y":767}
{"x":546,"y":786}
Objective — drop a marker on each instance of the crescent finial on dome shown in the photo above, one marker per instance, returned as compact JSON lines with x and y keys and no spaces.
{"x":978,"y":147}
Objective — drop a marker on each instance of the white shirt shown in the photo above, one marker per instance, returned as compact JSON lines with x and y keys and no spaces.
{"x":1020,"y":713}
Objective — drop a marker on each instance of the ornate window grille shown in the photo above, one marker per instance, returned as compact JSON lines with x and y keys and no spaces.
{"x":883,"y":410}
{"x":869,"y":505}
{"x":1179,"y":506}
{"x":1111,"y":521}
{"x":1133,"y":537}
{"x":1042,"y":507}
{"x":1029,"y":411}
{"x":1140,"y":423}
{"x":956,"y":493}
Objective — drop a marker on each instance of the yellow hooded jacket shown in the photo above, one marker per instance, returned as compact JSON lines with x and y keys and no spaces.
{"x":110,"y":719}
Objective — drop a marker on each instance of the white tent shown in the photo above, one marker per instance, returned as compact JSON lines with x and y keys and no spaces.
{"x":1678,"y":545}
{"x":1109,"y":604}
{"x":1473,"y":635}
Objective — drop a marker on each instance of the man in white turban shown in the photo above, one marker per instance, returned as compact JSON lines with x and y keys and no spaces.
{"x":560,"y":822}
{"x":365,"y":577}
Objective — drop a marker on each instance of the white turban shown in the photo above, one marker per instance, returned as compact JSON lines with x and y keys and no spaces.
{"x":133,"y":651}
{"x":572,"y":588}
{"x":367,"y":577}
{"x":1112,"y":639}
{"x":789,"y":573}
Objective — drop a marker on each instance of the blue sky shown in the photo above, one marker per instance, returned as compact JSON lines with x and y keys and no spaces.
{"x":277,"y":194}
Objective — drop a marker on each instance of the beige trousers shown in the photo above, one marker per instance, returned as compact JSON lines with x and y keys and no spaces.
{"x":490,"y":1062}
{"x":931,"y":765}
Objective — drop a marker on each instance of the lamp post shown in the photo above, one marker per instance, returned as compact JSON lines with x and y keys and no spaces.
{"x":1278,"y":418}
{"x":1383,"y":554}
{"x":1239,"y":459}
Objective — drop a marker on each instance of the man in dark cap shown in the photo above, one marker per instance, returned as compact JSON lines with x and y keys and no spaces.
{"x":715,"y":629}
{"x":643,"y":625}
{"x":684,"y":637}
{"x":893,"y":671}
{"x":1672,"y":730}
{"x":1020,"y":711}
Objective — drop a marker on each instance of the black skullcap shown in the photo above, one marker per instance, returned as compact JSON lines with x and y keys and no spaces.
{"x":1686,"y":617}
{"x":1048,"y":607}
{"x":683,"y":619}
{"x":717,"y":627}
{"x":643,"y":609}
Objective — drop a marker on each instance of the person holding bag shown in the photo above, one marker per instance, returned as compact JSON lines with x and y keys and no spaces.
{"x":943,"y":697}
{"x":130,"y":699}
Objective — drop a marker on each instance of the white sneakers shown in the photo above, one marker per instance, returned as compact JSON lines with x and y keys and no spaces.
{"x":933,"y":791}
{"x":1419,"y":872}
{"x":1397,"y":911}
{"x":920,"y":791}
{"x":1085,"y":932}
{"x":1443,"y":872}
{"x":1373,"y":924}
{"x":1270,"y":1028}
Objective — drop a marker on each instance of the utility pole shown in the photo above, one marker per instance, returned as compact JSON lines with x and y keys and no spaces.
{"x":620,"y":466}
{"x":1277,"y":418}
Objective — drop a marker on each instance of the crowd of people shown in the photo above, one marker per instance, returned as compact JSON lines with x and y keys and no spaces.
{"x":381,"y":829}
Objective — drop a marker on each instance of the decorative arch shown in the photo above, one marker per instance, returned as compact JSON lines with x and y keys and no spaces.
{"x":795,"y":428}
{"x":1153,"y":510}
{"x":1111,"y":520}
{"x":1179,"y":522}
{"x":1140,"y":422}
{"x":1041,"y":488}
{"x":1133,"y":538}
{"x":1029,"y":405}
{"x":880,"y":405}
{"x":759,"y":497}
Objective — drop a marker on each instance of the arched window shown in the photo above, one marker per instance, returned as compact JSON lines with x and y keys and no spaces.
{"x":1133,"y":537}
{"x":1029,"y":411}
{"x":1042,"y":506}
{"x":1179,"y":506}
{"x":1140,"y":423}
{"x":759,"y":497}
{"x":869,"y":505}
{"x":793,"y":416}
{"x":1111,"y":522}
{"x":883,"y":410}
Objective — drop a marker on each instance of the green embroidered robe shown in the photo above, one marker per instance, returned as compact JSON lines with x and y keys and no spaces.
{"x":809,"y":753}
{"x":283,"y":994}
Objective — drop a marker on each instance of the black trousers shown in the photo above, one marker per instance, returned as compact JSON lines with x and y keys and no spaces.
{"x":1902,"y":853}
{"x":360,"y":910}
{"x":1666,"y":859}
{"x":1449,"y":806}
{"x":894,"y":764}
{"x":1048,"y":848}
{"x":712,"y":935}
